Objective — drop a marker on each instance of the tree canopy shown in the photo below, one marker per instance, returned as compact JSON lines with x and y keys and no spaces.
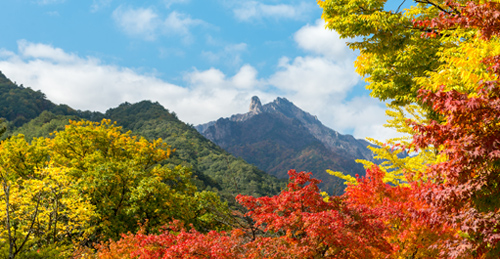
{"x":89,"y":183}
{"x":438,"y":64}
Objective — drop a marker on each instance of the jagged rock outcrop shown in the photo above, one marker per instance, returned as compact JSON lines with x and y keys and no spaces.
{"x":279,"y":136}
{"x":255,"y":105}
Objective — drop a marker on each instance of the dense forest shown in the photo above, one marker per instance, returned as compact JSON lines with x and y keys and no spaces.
{"x":95,"y":190}
{"x":211,"y":165}
{"x":141,"y":166}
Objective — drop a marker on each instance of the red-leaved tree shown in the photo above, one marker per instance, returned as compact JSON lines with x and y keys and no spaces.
{"x":464,"y":190}
{"x":297,"y":223}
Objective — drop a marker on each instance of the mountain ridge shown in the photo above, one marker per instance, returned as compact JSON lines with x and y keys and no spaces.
{"x":212,"y":167}
{"x":279,"y":135}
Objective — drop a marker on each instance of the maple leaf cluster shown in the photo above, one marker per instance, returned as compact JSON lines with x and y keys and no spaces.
{"x":465,"y":191}
{"x":484,"y":16}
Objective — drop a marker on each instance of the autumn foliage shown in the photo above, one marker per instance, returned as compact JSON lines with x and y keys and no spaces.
{"x":88,"y":183}
{"x":297,"y":223}
{"x":438,"y":61}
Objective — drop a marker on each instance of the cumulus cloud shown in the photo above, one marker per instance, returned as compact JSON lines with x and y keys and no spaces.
{"x":314,"y":77}
{"x":46,"y":52}
{"x":318,"y":40}
{"x":83,"y":83}
{"x":253,"y":10}
{"x":148,"y":24}
{"x":318,"y":82}
{"x":364,"y":116}
{"x":245,"y":78}
{"x":179,"y":23}
{"x":86,"y":83}
{"x":143,"y":22}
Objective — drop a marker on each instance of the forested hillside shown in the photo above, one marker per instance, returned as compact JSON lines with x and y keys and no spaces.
{"x":230,"y":175}
{"x":21,"y":104}
{"x":212,"y":166}
{"x":141,"y":165}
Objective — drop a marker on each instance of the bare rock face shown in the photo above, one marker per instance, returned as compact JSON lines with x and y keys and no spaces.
{"x":255,"y":105}
{"x":279,"y":136}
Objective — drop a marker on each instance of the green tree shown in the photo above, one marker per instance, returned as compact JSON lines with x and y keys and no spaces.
{"x":392,"y":51}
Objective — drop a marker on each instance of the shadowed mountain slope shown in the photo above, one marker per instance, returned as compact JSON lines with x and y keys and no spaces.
{"x":280,"y":136}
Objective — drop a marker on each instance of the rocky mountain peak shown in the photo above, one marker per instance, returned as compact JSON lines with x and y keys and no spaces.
{"x":282,"y":101}
{"x":255,"y":105}
{"x":278,"y":136}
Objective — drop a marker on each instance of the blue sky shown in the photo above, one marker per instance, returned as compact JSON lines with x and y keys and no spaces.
{"x":201,"y":59}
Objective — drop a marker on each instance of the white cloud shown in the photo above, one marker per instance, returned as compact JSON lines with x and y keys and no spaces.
{"x":318,"y":40}
{"x":245,"y":78}
{"x":6,"y":54}
{"x":147,"y":23}
{"x":319,"y":80}
{"x":208,"y":79}
{"x":314,"y":77}
{"x":364,"y":115}
{"x":254,"y":10}
{"x":88,"y":84}
{"x":99,"y":4}
{"x":142,"y":22}
{"x":44,"y":52}
{"x":179,"y":23}
{"x":83,"y":83}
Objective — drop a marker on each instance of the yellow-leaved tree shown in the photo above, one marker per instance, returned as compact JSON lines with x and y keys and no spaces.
{"x":89,"y":183}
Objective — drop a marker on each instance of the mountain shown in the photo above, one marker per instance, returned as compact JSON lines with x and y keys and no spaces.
{"x":280,"y":136}
{"x":21,"y":104}
{"x":216,"y":168}
{"x":212,"y":167}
